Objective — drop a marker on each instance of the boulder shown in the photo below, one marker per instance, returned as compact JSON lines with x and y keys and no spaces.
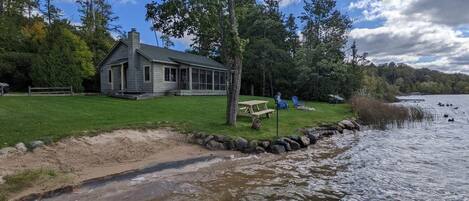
{"x":339,"y":129}
{"x":295,"y":138}
{"x":214,"y":145}
{"x":219,"y":138}
{"x":36,"y":144}
{"x":264,"y":144}
{"x":241,"y":144}
{"x":253,"y":144}
{"x":304,"y":141}
{"x":356,"y":124}
{"x":199,"y":141}
{"x":230,"y":144}
{"x":293,"y":144}
{"x":347,"y":124}
{"x":259,"y":150}
{"x":283,"y":143}
{"x":327,"y":133}
{"x":277,"y":149}
{"x":21,"y":147}
{"x":312,"y":138}
{"x":7,"y":150}
{"x":207,"y":139}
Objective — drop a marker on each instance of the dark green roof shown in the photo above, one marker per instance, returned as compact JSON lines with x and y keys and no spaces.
{"x":173,"y":56}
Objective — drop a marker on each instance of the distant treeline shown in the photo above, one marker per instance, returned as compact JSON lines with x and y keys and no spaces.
{"x":385,"y":81}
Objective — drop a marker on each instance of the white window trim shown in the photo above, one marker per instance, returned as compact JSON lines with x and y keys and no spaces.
{"x":149,"y":71}
{"x":164,"y":74}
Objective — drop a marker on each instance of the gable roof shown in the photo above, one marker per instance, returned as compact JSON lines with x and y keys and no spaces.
{"x":164,"y":55}
{"x":167,"y":55}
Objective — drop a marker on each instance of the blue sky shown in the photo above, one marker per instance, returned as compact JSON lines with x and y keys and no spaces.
{"x":423,"y":33}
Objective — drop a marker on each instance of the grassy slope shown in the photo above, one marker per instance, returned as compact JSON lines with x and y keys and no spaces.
{"x":23,"y":119}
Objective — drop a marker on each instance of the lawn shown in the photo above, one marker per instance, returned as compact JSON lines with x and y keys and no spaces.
{"x":23,"y":119}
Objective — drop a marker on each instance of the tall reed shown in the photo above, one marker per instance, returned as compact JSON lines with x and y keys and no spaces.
{"x":380,"y":114}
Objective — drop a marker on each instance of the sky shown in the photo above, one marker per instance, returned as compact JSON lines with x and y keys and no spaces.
{"x":423,"y":33}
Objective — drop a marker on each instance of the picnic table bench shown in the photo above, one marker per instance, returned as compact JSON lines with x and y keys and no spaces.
{"x":254,"y":108}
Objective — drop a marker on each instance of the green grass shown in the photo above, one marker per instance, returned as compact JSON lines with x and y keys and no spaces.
{"x":23,"y":180}
{"x":23,"y":119}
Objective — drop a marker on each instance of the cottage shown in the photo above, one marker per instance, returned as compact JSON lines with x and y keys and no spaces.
{"x":132,"y":67}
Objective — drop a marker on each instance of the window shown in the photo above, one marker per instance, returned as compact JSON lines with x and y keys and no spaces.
{"x":109,"y":76}
{"x":220,"y":80}
{"x":146,"y":73}
{"x":195,"y":79}
{"x":170,"y":74}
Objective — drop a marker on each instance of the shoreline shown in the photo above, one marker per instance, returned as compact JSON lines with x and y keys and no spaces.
{"x":123,"y":152}
{"x":78,"y":159}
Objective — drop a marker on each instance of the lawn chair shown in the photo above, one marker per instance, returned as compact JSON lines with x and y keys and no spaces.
{"x":296,"y":102}
{"x":281,"y":104}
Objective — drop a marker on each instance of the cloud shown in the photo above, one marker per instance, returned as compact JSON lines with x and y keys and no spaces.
{"x":414,"y":30}
{"x":285,"y":3}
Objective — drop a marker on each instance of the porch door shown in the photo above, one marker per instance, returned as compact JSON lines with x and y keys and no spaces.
{"x":184,"y":79}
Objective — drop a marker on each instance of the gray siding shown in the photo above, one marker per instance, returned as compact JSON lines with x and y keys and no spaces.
{"x":159,"y":85}
{"x":119,"y":53}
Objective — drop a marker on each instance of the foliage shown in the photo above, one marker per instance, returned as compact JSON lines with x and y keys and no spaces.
{"x":59,"y":117}
{"x":64,"y":60}
{"x":320,"y":60}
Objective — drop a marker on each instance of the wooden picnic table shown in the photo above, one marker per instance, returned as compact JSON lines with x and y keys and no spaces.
{"x":254,"y":108}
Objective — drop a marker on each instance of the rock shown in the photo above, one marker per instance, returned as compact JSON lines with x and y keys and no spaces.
{"x":347,"y":124}
{"x":36,"y":144}
{"x":241,"y":144}
{"x":327,"y":133}
{"x":277,"y":149}
{"x":312,"y":138}
{"x":214,"y":145}
{"x":339,"y":129}
{"x":219,"y":138}
{"x":259,"y":150}
{"x":207,"y":139}
{"x":296,"y":138}
{"x":357,"y":125}
{"x":264,"y":144}
{"x":1,"y":180}
{"x":256,"y":124}
{"x":282,"y":142}
{"x":21,"y":147}
{"x":293,"y":144}
{"x":253,"y":144}
{"x":304,"y":141}
{"x":199,"y":141}
{"x":7,"y":150}
{"x":230,"y":144}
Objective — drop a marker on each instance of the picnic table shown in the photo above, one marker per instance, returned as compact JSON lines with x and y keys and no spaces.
{"x":254,"y":108}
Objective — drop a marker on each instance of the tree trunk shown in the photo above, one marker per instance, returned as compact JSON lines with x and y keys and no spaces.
{"x":252,"y":89}
{"x":263,"y":80}
{"x":236,"y":55}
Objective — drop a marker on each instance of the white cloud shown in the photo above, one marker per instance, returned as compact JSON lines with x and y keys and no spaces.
{"x":285,"y":3}
{"x":415,"y":29}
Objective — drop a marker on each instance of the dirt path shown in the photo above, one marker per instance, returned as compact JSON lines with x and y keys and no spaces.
{"x":85,"y":158}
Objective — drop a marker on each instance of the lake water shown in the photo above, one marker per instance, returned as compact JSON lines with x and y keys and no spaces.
{"x":422,"y":161}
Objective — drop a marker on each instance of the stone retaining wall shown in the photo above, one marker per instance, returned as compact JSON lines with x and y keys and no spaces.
{"x":284,"y":144}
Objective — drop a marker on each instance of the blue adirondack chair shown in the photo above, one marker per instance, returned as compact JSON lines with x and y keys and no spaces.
{"x":296,"y":102}
{"x":281,"y":104}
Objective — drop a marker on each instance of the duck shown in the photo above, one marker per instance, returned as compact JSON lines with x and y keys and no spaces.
{"x":451,"y":120}
{"x":445,"y":116}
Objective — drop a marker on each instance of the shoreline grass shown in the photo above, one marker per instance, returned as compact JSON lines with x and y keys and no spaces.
{"x":24,"y":119}
{"x":380,"y":115}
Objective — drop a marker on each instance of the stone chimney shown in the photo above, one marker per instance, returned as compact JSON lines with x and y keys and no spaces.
{"x":133,"y":40}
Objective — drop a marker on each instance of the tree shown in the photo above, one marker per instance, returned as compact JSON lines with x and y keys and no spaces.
{"x":51,"y":12}
{"x":293,"y":39}
{"x":166,"y":41}
{"x":64,"y":60}
{"x":325,"y":34}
